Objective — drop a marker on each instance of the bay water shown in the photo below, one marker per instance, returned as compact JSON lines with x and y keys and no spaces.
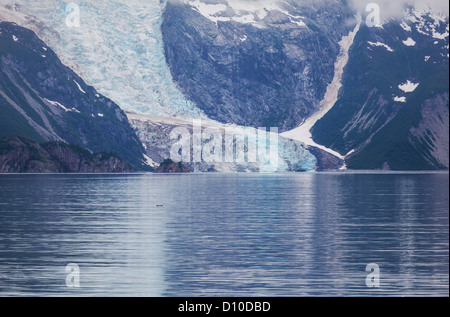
{"x":311,"y":234}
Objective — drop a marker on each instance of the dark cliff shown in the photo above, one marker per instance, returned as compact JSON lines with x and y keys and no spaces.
{"x":20,"y":155}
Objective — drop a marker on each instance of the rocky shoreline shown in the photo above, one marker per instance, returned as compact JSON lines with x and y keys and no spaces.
{"x":20,"y":155}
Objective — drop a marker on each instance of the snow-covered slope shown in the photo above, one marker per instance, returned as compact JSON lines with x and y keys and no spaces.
{"x":117,"y":48}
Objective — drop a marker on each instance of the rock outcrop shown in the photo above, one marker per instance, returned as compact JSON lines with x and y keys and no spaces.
{"x":169,"y":166}
{"x":20,"y":155}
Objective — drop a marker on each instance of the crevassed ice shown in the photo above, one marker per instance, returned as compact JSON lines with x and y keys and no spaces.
{"x":118,"y":49}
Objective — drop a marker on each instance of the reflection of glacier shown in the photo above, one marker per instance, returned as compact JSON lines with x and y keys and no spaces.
{"x":118,"y":49}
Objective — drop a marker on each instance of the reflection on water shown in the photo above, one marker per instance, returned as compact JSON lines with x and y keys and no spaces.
{"x":225,"y":235}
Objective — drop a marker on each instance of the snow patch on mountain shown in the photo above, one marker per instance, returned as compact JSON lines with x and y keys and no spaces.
{"x":57,"y":104}
{"x":79,"y":87}
{"x":405,"y":26}
{"x":408,"y":86}
{"x":427,"y":21}
{"x":409,"y":42}
{"x":399,"y":99}
{"x":387,"y":47}
{"x":441,"y":36}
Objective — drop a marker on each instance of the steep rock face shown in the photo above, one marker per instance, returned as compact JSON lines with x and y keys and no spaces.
{"x":267,"y":65}
{"x":19,"y":155}
{"x":43,"y":100}
{"x":393,"y":109}
{"x":432,"y":132}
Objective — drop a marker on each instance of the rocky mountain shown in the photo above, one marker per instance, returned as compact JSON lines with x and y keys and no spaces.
{"x":263,"y":63}
{"x":43,"y":100}
{"x":393,"y":109}
{"x":274,"y":64}
{"x":20,"y":155}
{"x":154,"y":134}
{"x":338,"y":90}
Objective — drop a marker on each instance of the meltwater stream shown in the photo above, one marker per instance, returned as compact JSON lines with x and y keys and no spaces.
{"x":224,"y":235}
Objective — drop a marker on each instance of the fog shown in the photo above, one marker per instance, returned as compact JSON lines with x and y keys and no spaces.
{"x":395,"y":8}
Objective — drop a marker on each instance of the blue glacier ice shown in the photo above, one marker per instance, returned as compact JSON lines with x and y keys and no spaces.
{"x":118,"y":49}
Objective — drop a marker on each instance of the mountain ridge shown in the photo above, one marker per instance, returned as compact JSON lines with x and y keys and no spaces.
{"x":393,"y":108}
{"x":43,"y":100}
{"x":270,"y":65}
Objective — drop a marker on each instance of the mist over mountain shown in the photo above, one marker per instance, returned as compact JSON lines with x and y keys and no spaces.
{"x":396,"y":9}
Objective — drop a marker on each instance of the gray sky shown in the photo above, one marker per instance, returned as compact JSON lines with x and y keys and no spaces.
{"x":394,"y":8}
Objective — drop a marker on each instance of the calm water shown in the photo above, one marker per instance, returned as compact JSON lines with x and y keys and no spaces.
{"x":225,"y":235}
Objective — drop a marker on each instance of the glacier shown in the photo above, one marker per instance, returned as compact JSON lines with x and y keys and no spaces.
{"x":154,"y":132}
{"x":118,"y":49}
